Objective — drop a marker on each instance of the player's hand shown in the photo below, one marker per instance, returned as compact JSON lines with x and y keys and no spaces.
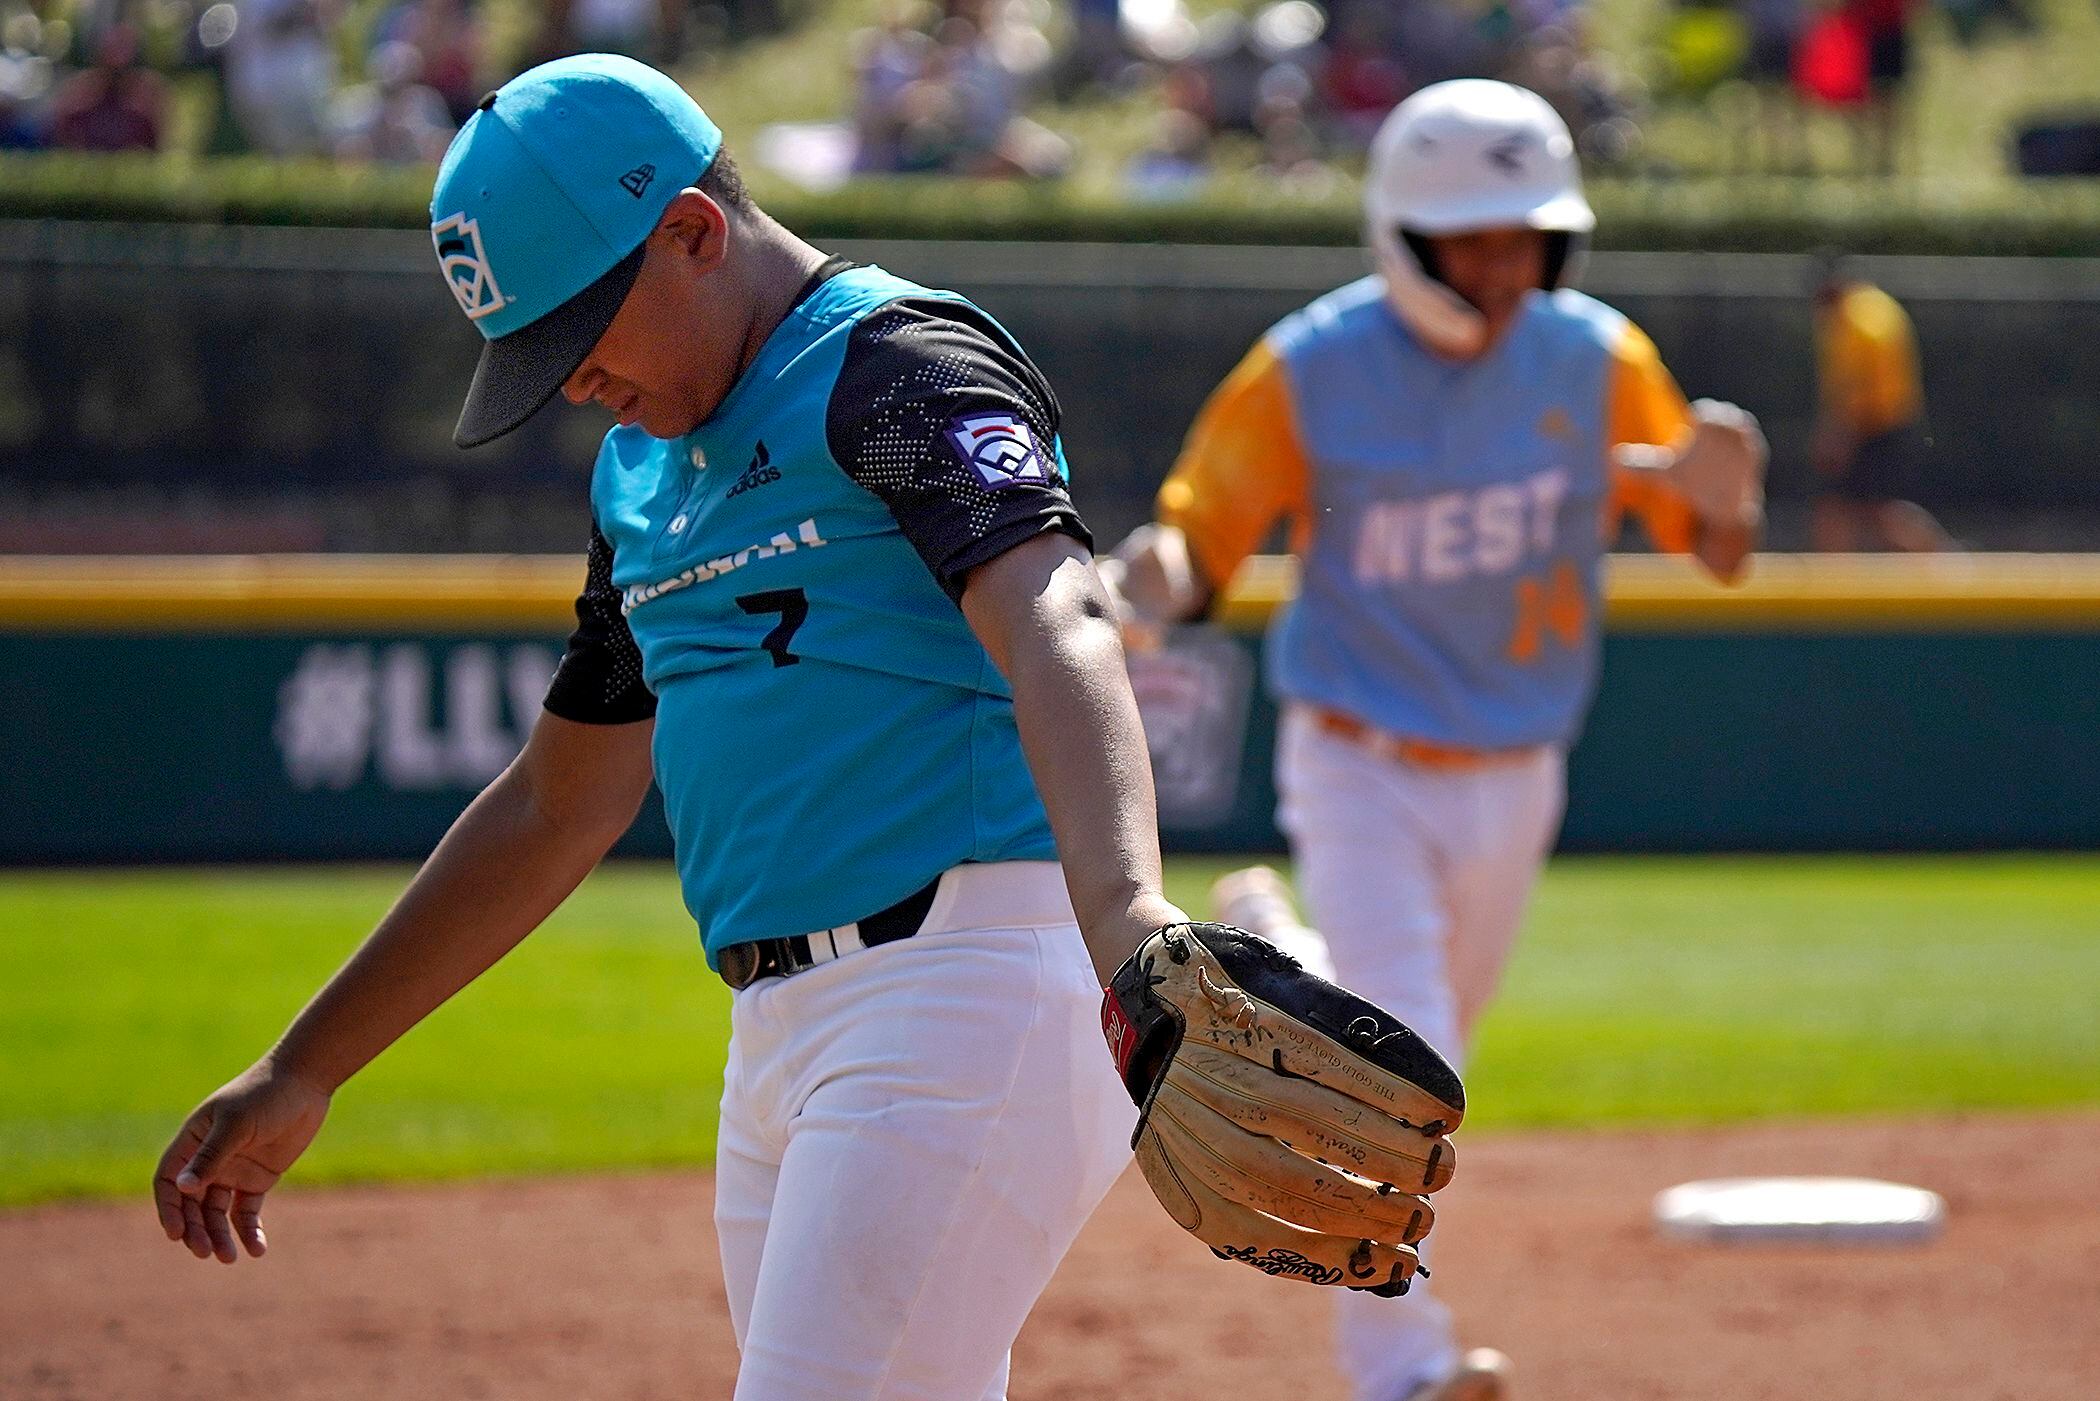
{"x":1139,"y":635}
{"x":1721,"y":470}
{"x":1151,"y":579}
{"x":210,"y":1184}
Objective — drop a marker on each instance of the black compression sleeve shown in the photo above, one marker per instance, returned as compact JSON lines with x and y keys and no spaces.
{"x":599,"y":681}
{"x":937,"y":412}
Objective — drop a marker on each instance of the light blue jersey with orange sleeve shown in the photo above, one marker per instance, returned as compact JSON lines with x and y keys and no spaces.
{"x":1451,"y":518}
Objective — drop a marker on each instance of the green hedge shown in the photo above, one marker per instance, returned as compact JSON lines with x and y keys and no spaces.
{"x":1767,"y":215}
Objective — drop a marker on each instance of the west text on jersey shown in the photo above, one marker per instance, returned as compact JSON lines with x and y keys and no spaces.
{"x":1457,"y":535}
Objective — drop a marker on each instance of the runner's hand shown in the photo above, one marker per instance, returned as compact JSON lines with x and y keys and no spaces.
{"x":1140,"y":634}
{"x":1721,"y":470}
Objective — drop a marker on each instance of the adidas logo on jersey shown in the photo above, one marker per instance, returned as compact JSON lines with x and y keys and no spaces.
{"x":757,"y":474}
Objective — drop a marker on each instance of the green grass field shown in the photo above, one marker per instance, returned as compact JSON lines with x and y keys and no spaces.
{"x":1645,"y":991}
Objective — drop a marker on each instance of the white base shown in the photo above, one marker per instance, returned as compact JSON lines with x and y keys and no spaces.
{"x":1806,"y":1210}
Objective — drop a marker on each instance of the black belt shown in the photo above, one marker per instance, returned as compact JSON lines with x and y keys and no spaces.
{"x":741,"y":965}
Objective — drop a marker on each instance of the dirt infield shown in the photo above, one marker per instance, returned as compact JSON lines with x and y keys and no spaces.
{"x":605,"y":1289}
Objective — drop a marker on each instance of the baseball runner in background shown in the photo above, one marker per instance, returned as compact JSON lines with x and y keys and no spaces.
{"x":837,"y":599}
{"x":1453,"y":442}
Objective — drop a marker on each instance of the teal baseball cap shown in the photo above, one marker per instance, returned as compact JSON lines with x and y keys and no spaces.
{"x":540,"y":211}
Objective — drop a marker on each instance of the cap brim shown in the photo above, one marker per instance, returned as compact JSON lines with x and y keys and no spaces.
{"x":520,"y":372}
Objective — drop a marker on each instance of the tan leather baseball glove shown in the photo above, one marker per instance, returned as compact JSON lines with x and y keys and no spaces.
{"x":1285,"y":1122}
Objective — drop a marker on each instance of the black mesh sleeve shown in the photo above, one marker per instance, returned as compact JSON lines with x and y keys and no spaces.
{"x":599,"y":681}
{"x":942,"y":416}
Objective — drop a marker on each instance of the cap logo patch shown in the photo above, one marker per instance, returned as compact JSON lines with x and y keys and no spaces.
{"x":999,"y":448}
{"x":465,"y":265}
{"x":636,"y":181}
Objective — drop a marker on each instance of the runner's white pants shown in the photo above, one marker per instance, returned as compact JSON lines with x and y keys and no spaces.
{"x":1417,"y":879}
{"x":911,"y":1138}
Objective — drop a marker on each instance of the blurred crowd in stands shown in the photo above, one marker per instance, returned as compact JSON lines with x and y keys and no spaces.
{"x":1308,"y":84}
{"x":939,"y":88}
{"x":1300,"y":83}
{"x":95,"y":78}
{"x":942,"y":85}
{"x":390,"y":82}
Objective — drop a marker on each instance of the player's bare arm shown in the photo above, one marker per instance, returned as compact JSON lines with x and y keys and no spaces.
{"x":1200,"y":1017}
{"x":1043,"y":615}
{"x":510,"y":859}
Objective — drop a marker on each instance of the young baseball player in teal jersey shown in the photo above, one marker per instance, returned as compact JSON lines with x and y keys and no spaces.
{"x":1454,"y":442}
{"x":839,"y":603}
{"x":834,"y":523}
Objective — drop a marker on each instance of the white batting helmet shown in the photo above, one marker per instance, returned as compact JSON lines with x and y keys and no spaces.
{"x":1458,"y":157}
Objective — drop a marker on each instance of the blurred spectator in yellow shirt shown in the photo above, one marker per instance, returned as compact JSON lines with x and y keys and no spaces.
{"x":1870,"y":436}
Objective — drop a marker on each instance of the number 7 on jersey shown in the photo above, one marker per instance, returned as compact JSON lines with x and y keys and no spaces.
{"x":793,"y":607}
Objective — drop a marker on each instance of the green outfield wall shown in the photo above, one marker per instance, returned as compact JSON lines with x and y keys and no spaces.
{"x":177,"y":389}
{"x":345,"y":707}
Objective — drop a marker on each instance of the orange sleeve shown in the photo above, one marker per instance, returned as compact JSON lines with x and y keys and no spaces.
{"x":1241,"y":468}
{"x":1644,"y":405}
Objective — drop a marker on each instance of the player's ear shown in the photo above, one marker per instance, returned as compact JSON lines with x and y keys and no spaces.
{"x":696,"y":226}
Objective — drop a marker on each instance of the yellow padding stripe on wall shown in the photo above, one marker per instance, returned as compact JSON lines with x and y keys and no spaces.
{"x":288,"y":593}
{"x":409,"y":593}
{"x":1801,"y":593}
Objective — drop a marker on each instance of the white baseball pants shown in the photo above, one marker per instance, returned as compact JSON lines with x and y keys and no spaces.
{"x":912,"y":1136}
{"x":1417,"y":879}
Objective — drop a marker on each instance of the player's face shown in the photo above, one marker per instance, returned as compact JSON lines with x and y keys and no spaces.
{"x":672,"y":353}
{"x":1492,"y":269}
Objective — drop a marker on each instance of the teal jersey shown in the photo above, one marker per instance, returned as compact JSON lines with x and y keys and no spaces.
{"x":782,"y":585}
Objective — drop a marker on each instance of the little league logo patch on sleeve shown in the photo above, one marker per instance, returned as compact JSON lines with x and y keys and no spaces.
{"x":466,"y":266}
{"x":1000,"y":448}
